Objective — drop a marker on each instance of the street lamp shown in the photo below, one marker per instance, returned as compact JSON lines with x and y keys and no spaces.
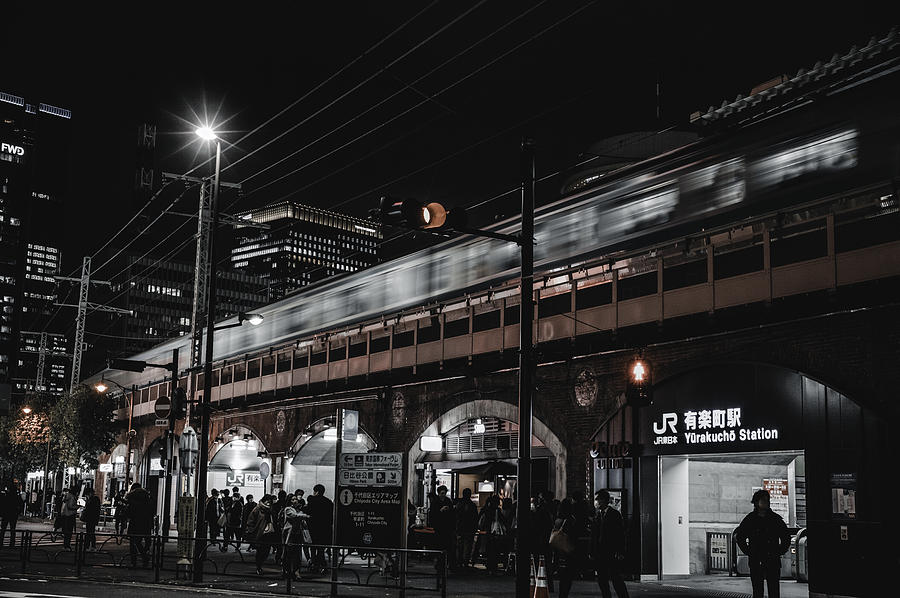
{"x":26,"y":410}
{"x":102,"y":387}
{"x":207,"y":134}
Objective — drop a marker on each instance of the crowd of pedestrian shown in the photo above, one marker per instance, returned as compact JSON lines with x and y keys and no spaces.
{"x":569,"y":535}
{"x":288,"y":526}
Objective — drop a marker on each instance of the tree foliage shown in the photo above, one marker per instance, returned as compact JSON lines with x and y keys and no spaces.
{"x":23,"y":440}
{"x":83,"y":423}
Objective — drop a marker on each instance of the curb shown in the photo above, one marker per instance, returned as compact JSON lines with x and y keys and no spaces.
{"x":149,"y":586}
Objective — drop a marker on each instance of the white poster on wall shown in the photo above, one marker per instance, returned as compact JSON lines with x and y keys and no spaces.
{"x":778,"y":496}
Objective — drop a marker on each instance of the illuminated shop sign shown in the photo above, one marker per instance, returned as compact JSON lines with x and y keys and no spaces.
{"x":9,"y":148}
{"x":708,"y":426}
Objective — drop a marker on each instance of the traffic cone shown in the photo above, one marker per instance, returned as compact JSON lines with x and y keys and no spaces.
{"x":531,"y":583}
{"x":540,"y":589}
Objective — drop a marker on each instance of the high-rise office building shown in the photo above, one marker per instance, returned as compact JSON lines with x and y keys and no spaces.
{"x":302,"y":245}
{"x":160,"y":295}
{"x":34,"y":154}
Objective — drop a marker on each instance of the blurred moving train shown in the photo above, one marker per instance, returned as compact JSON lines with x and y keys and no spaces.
{"x":840,"y":142}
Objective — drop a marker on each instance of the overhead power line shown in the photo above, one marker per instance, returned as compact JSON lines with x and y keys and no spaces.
{"x":438,"y":93}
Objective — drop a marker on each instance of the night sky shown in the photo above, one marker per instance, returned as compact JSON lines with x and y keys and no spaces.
{"x":583,"y":71}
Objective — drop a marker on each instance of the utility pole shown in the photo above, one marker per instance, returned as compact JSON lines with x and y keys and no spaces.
{"x":433,"y":218}
{"x":201,"y":268}
{"x":526,"y":367}
{"x":83,"y":305}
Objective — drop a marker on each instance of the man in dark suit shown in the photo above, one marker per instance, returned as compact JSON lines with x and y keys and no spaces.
{"x":608,"y":546}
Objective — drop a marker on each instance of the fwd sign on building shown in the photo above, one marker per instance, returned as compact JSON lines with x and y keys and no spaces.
{"x":11,"y":149}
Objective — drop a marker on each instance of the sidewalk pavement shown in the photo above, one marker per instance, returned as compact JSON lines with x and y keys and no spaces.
{"x":233,"y":570}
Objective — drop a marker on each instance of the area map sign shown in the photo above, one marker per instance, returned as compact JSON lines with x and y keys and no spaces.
{"x":370,"y":500}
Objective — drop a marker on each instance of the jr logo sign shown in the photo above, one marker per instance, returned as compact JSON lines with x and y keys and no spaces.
{"x":668,"y":421}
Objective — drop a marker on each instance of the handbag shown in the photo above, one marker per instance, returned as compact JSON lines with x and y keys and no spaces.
{"x":561,"y":542}
{"x":221,"y":521}
{"x":497,"y":527}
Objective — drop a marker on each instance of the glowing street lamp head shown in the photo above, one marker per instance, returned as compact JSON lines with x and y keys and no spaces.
{"x":206,"y":133}
{"x":101,"y":387}
{"x":26,"y":409}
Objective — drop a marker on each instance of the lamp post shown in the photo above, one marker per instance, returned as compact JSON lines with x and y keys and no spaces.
{"x":103,"y":387}
{"x":207,"y":134}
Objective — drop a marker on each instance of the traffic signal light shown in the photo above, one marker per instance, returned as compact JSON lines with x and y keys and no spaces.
{"x":179,"y":403}
{"x":412,"y":213}
{"x":639,"y":387}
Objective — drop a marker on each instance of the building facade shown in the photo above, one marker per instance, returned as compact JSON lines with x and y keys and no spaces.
{"x":160,"y":297}
{"x":302,"y":245}
{"x":34,"y":146}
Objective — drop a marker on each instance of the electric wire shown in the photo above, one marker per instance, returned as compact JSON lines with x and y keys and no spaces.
{"x":155,"y":220}
{"x":361,"y":84}
{"x":274,"y":117}
{"x":385,"y":100}
{"x":445,"y":89}
{"x":316,"y":88}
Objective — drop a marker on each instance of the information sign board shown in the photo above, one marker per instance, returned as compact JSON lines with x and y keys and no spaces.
{"x":370,"y":499}
{"x":372,"y":461}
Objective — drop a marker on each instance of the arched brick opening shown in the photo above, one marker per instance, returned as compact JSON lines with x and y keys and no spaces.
{"x":489,"y":408}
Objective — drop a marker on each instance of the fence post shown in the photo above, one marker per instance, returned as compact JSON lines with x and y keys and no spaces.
{"x":403,"y":565}
{"x":79,"y":552}
{"x":24,"y":547}
{"x":157,"y":556}
{"x":334,"y":560}
{"x":290,"y":573}
{"x":443,"y":574}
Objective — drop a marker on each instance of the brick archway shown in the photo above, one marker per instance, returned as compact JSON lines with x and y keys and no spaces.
{"x":489,"y":408}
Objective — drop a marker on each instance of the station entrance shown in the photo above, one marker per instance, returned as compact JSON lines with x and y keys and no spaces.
{"x":710,"y":439}
{"x":704,"y":497}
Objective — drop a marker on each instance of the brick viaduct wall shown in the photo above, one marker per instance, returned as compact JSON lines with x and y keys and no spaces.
{"x":855,"y":352}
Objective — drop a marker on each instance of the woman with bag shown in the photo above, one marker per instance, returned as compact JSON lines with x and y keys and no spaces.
{"x":67,"y":510}
{"x":564,"y":547}
{"x":261,"y":530}
{"x":292,"y":537}
{"x":491,"y":521}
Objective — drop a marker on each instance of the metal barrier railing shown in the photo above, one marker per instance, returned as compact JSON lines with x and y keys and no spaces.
{"x":325,"y":564}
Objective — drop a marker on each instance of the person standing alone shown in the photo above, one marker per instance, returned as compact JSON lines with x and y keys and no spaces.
{"x":608,"y":546}
{"x":140,"y":522}
{"x":91,"y":517}
{"x":68,"y":507}
{"x":9,"y":511}
{"x":763,"y":537}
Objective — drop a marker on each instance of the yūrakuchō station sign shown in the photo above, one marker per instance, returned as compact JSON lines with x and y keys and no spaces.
{"x":728,"y":410}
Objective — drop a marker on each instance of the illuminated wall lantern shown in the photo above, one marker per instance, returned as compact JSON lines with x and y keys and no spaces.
{"x":431,"y":444}
{"x":639,"y":386}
